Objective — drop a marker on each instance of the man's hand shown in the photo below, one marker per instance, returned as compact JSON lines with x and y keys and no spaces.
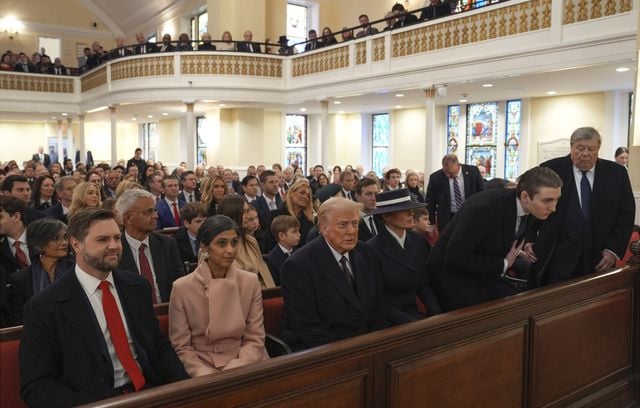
{"x":516,"y":249}
{"x":607,"y":262}
{"x":527,"y":253}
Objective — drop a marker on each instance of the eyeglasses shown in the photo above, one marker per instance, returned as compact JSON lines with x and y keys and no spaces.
{"x":61,"y":238}
{"x":147,"y":213}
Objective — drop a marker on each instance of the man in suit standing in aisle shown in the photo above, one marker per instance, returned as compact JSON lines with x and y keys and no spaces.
{"x":594,"y":221}
{"x":153,"y":255}
{"x":449,"y":187}
{"x":41,"y":157}
{"x":93,"y":335}
{"x":470,"y":263}
{"x":332,"y":286}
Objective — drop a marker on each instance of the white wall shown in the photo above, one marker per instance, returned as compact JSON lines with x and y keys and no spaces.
{"x":408,"y":129}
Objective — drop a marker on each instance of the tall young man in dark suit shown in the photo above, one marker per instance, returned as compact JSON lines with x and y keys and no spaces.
{"x":154,"y":256}
{"x":94,"y":334}
{"x":269,"y":200}
{"x":470,"y":262}
{"x":365,"y":192}
{"x":331,"y":286}
{"x":14,"y":250}
{"x":449,"y":187}
{"x":594,"y":221}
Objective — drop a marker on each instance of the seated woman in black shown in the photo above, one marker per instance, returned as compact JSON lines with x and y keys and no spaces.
{"x":403,"y":258}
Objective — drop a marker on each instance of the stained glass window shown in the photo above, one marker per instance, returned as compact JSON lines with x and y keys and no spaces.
{"x":512,"y":141}
{"x":482,"y":136}
{"x":380,"y":145}
{"x":201,"y":140}
{"x":150,"y":140}
{"x":296,"y":141}
{"x":453,"y":126}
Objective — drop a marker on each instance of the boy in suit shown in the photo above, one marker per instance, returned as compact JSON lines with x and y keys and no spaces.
{"x":193,"y":215}
{"x":286,"y":230}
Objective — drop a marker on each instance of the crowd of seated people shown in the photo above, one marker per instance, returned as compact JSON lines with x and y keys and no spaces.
{"x":354,"y":255}
{"x":39,"y":63}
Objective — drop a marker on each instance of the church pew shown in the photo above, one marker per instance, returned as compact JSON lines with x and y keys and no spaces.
{"x":569,"y":344}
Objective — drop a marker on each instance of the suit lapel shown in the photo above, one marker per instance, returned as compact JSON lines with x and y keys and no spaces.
{"x":6,"y":252}
{"x":467,"y":182}
{"x":509,"y":222}
{"x":159,"y":264}
{"x":127,"y":262}
{"x":599,"y":182}
{"x":334,"y":274}
{"x":392,"y":249}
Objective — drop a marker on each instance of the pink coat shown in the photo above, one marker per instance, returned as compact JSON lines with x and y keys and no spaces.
{"x":216,"y":324}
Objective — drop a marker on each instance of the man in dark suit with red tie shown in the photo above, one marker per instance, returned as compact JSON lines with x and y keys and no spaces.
{"x":93,"y":335}
{"x":332,"y":286}
{"x":14,"y":251}
{"x":449,"y":187}
{"x":472,"y":260}
{"x":594,"y":221}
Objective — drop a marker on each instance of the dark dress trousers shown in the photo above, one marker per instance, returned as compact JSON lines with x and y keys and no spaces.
{"x":404,"y":275}
{"x":184,"y":246}
{"x":274,"y":260}
{"x":467,"y":262}
{"x":166,"y":261}
{"x":319,"y":304}
{"x":439,"y":195}
{"x":568,"y":246}
{"x":63,"y":355}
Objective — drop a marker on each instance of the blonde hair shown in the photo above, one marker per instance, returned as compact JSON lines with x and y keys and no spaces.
{"x":207,"y":190}
{"x":126,"y":185}
{"x":337,"y":204}
{"x":308,"y":210}
{"x":80,"y":194}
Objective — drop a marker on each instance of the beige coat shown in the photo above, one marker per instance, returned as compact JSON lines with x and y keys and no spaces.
{"x":250,"y":259}
{"x":216,"y":324}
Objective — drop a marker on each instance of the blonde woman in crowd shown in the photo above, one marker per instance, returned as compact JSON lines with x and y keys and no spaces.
{"x":298,"y":204}
{"x":85,"y":194}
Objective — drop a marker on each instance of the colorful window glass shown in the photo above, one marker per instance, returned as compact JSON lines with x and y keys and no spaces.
{"x":380,"y":142}
{"x":453,"y":126}
{"x":201,"y":140}
{"x":150,"y":140}
{"x":296,"y":141}
{"x":482,"y":136}
{"x":512,"y":141}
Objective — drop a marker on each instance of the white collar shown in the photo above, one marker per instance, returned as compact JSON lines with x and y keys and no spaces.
{"x":395,"y":236}
{"x":134,"y":243}
{"x":337,"y":255}
{"x":90,"y":283}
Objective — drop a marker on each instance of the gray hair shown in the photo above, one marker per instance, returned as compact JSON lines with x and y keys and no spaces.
{"x":129,"y":198}
{"x":585,"y":133}
{"x":43,"y":231}
{"x":60,"y":182}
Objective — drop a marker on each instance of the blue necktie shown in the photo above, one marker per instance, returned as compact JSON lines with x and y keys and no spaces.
{"x":457,"y":194}
{"x":585,"y":195}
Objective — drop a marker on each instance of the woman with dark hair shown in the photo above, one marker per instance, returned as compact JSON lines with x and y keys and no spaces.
{"x":327,"y":38}
{"x":249,"y":256}
{"x":335,"y":178}
{"x":298,"y":204}
{"x":213,"y":190}
{"x":622,"y":156}
{"x":392,"y":180}
{"x":48,"y":240}
{"x":5,"y":63}
{"x":184,"y":43}
{"x":43,"y":195}
{"x":215,"y":312}
{"x":148,"y":172}
{"x":323,"y":180}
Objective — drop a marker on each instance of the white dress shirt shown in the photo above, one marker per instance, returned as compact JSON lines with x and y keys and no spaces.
{"x":338,"y":256}
{"x":23,"y":245}
{"x":577,"y":174}
{"x":135,"y":247}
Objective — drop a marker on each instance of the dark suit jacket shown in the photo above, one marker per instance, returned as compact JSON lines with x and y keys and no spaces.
{"x":439,"y":10}
{"x":364,"y":234}
{"x":561,"y":242}
{"x":170,"y":48}
{"x":408,"y":20}
{"x":439,"y":196}
{"x":274,"y":260}
{"x":57,"y":212}
{"x":206,"y":47}
{"x":7,"y":259}
{"x":264,"y":213}
{"x":244,"y":47}
{"x":63,"y":356}
{"x":29,"y":68}
{"x":404,"y":275}
{"x":468,"y":259}
{"x":165,"y":214}
{"x":320,"y":306}
{"x":115,"y":53}
{"x":197,"y":196}
{"x":184,"y":246}
{"x":151,"y":48}
{"x":6,"y":320}
{"x":166,"y":261}
{"x":46,"y":161}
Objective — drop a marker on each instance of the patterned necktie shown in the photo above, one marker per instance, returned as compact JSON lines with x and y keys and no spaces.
{"x":457,"y":194}
{"x":119,"y":336}
{"x":145,"y":271}
{"x":585,"y":195}
{"x":176,"y":215}
{"x":345,"y":270}
{"x":21,"y":257}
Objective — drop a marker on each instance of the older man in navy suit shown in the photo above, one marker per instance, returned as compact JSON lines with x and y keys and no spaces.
{"x":332,"y":286}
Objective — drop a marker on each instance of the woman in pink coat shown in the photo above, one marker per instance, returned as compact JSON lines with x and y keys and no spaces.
{"x":215,"y":313}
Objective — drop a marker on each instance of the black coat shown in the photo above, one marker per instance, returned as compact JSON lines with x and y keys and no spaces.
{"x":559,"y":246}
{"x":166,"y":262}
{"x":439,"y":195}
{"x":244,"y":47}
{"x":63,"y":355}
{"x":274,"y":260}
{"x":439,"y":10}
{"x":404,"y":275}
{"x":364,"y":234}
{"x":319,"y":305}
{"x":184,"y":246}
{"x":467,"y":261}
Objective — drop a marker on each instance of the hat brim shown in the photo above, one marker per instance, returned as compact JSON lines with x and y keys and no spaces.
{"x":407,"y":205}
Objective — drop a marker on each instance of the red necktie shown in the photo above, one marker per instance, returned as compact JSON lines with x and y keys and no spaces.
{"x":119,"y":336}
{"x":145,"y":271}
{"x":20,"y":255}
{"x":176,"y":214}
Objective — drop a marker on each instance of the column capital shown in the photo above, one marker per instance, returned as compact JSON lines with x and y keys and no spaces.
{"x":430,"y":93}
{"x":81,"y":116}
{"x":189,"y":106}
{"x":113,"y":108}
{"x":324,"y":104}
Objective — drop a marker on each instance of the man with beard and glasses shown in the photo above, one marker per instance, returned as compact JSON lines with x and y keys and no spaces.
{"x":94,"y":334}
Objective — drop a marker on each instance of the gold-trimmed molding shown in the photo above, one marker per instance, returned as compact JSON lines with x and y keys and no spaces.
{"x":502,"y":22}
{"x":322,"y":61}
{"x":361,"y":53}
{"x":35,"y":83}
{"x":575,"y":11}
{"x":241,"y":65}
{"x":94,"y":79}
{"x":142,"y":67}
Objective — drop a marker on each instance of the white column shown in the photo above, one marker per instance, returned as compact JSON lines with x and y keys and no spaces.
{"x":59,"y":140}
{"x":114,"y":135}
{"x":81,"y":142}
{"x":190,"y":136}
{"x":324,"y":132}
{"x":70,"y":141}
{"x":431,"y":139}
